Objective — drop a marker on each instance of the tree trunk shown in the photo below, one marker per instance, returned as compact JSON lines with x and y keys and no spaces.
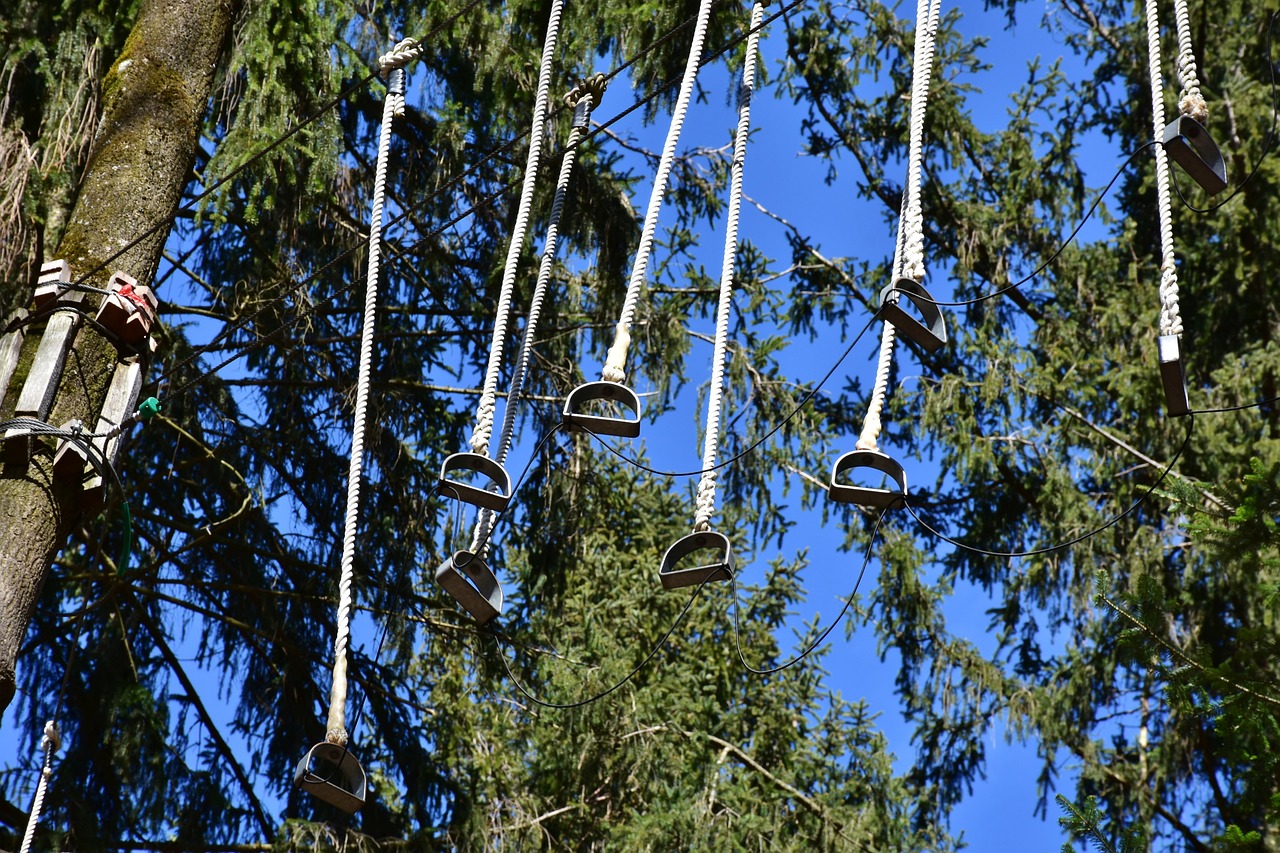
{"x":154,"y":98}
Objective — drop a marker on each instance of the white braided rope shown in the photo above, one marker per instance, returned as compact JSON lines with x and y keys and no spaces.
{"x":908,"y":257}
{"x":581,"y":122}
{"x":49,"y":744}
{"x":336,"y":729}
{"x":616,"y":361}
{"x":1190,"y":102}
{"x":489,"y":396}
{"x":922,"y":70}
{"x":706,"y":500}
{"x":1170,"y":319}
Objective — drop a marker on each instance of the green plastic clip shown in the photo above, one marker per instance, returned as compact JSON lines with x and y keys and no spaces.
{"x":149,"y":408}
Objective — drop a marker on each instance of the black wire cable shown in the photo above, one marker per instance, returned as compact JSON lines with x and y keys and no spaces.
{"x":737,"y":639}
{"x":761,"y":440}
{"x":1240,"y":408}
{"x":1070,"y":542}
{"x":1271,"y":134}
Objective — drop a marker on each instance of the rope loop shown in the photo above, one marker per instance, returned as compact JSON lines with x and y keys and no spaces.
{"x":338,"y":691}
{"x":908,"y":253}
{"x":705,"y":503}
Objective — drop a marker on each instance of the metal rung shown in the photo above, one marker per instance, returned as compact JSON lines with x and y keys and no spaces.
{"x":932,"y":333}
{"x":330,"y":773}
{"x":576,"y":419}
{"x":471,"y":582}
{"x":863,"y":495}
{"x":495,"y":497}
{"x":1172,"y":375}
{"x":1192,"y":148}
{"x":721,"y":569}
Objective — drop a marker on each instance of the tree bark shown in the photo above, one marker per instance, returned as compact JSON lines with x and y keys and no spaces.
{"x":154,"y":98}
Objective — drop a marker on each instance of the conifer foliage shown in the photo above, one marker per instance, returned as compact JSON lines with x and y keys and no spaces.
{"x":1140,"y":661}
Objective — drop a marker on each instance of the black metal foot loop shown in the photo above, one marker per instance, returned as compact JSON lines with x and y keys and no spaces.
{"x":1192,"y":148}
{"x":471,"y":582}
{"x":1173,"y":376}
{"x":575,"y":417}
{"x":721,"y":567}
{"x":331,"y":774}
{"x":864,"y":495}
{"x":495,"y":497}
{"x":930,"y":334}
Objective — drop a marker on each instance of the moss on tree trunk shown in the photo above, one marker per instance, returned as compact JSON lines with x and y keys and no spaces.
{"x":153,"y":100}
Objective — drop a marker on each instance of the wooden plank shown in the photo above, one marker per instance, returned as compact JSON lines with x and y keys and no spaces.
{"x":11,"y":349}
{"x":38,"y":391}
{"x":46,"y":370}
{"x":122,"y":399}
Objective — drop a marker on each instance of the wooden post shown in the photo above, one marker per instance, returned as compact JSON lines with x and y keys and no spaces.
{"x":69,"y":461}
{"x":122,"y":398}
{"x":38,"y":391}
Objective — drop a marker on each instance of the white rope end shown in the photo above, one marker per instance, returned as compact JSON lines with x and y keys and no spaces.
{"x":337,"y":737}
{"x":1193,"y":104}
{"x":615,"y":363}
{"x":870,"y":432}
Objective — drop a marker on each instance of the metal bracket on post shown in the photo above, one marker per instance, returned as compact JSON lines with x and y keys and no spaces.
{"x":54,"y":283}
{"x":129,"y":310}
{"x":41,"y":385}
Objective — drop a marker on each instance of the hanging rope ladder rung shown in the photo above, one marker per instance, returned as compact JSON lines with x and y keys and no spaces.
{"x":931,"y":334}
{"x":577,"y":414}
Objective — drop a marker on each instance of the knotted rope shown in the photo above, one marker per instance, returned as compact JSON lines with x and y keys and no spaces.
{"x":49,"y":744}
{"x":706,"y":500}
{"x":1170,"y":319}
{"x":908,"y":256}
{"x":489,"y":395}
{"x":583,"y":99}
{"x":616,"y":361}
{"x":336,"y":730}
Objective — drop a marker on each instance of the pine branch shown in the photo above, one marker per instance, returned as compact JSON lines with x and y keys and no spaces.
{"x":1184,"y":657}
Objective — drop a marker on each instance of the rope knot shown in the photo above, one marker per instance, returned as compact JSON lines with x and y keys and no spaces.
{"x":593,"y":86}
{"x":405,"y":51}
{"x":52,"y":737}
{"x":337,"y":736}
